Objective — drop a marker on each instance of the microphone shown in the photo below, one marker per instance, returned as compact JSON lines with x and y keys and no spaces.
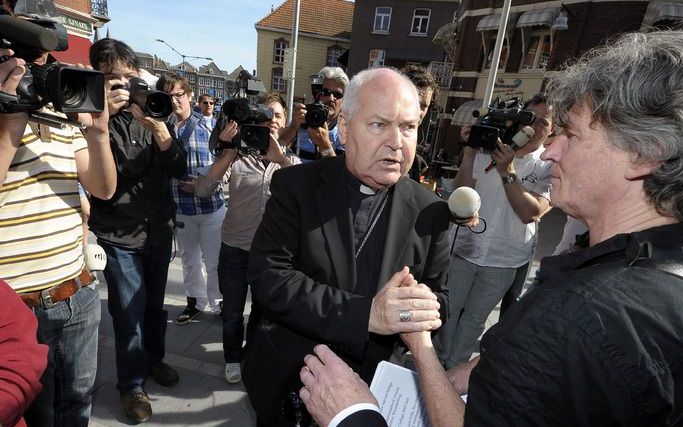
{"x":519,"y":140}
{"x":464,"y":202}
{"x":30,"y":35}
{"x":95,"y":258}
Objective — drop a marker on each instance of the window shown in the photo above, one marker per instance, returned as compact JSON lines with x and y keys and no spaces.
{"x":537,"y":52}
{"x":279,"y":83}
{"x":192,"y":78}
{"x":279,"y":51}
{"x":220,"y":83}
{"x":420,"y":21}
{"x":333,"y":54}
{"x":201,"y":81}
{"x":210,"y":71}
{"x":377,"y":57}
{"x":382,"y":20}
{"x":488,"y":50}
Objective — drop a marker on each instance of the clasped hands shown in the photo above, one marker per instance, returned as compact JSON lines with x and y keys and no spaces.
{"x":330,"y":386}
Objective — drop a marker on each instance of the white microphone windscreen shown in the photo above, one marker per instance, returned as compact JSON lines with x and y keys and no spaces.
{"x":95,"y":258}
{"x":523,"y":136}
{"x":464,"y":202}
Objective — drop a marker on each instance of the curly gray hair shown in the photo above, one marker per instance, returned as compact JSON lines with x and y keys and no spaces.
{"x":635,"y":90}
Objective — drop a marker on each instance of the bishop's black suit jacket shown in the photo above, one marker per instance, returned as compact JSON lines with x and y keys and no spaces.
{"x":302,"y":273}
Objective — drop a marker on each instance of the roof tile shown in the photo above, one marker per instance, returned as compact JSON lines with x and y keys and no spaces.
{"x":331,"y":18}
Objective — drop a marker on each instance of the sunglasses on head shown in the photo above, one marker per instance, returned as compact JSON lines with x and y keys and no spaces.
{"x":328,"y":92}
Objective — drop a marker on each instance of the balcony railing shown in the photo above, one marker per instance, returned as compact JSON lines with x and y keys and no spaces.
{"x":99,"y":9}
{"x":442,"y":72}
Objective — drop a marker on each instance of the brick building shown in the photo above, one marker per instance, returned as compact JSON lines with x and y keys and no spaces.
{"x":540,"y":37}
{"x":81,"y":19}
{"x":324,"y":36}
{"x":396,"y":33}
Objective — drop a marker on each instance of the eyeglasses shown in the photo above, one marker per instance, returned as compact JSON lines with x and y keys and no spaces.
{"x":207,"y":102}
{"x":328,"y":92}
{"x":178,"y":96}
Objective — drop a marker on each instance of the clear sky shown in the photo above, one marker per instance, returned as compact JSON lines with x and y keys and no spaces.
{"x":219,"y":29}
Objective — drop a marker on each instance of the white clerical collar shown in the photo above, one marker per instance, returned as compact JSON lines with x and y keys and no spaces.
{"x":364,"y":189}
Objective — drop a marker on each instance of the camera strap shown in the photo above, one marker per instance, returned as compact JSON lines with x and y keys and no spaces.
{"x":190,"y":126}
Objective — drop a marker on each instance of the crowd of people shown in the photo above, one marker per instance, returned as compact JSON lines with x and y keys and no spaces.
{"x":349,"y":261}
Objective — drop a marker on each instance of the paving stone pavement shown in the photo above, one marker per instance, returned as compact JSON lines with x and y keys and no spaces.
{"x":203,"y":397}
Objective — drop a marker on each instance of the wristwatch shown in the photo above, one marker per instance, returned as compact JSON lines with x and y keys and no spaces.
{"x":327,"y":152}
{"x":509,"y":178}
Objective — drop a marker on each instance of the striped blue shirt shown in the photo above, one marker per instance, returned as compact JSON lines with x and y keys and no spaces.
{"x":196,"y":145}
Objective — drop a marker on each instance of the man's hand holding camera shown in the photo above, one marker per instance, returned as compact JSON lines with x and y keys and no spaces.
{"x":117,"y":98}
{"x":11,"y":125}
{"x":298,"y":116}
{"x":275,"y":153}
{"x":503,"y":156}
{"x":12,"y":70}
{"x":320,"y":136}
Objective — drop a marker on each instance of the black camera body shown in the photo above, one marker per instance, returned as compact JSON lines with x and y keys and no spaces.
{"x":69,"y":89}
{"x":316,"y":115}
{"x":252,"y":137}
{"x":501,"y":121}
{"x":154,"y":103}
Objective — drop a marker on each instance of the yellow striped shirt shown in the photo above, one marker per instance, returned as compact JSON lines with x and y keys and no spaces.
{"x":40,"y":223}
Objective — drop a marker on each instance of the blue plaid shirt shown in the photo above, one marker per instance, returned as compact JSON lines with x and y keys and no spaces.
{"x":198,"y":156}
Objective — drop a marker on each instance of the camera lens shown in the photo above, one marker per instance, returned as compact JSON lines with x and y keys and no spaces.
{"x":158,"y":104}
{"x":316,"y":117}
{"x":72,"y":93}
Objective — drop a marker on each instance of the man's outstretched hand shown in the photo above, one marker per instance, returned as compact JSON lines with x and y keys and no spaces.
{"x":330,"y":386}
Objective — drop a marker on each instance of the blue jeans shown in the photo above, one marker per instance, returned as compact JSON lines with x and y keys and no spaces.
{"x":136,"y":283}
{"x":70,"y":331}
{"x":232,"y":282}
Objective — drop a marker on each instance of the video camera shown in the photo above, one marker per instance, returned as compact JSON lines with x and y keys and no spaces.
{"x":69,"y":89}
{"x":501,"y":121}
{"x":154,"y":103}
{"x":316,"y":112}
{"x":252,"y":138}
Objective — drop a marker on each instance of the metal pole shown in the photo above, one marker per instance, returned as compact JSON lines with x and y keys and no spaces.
{"x":493,"y":71}
{"x":295,"y":38}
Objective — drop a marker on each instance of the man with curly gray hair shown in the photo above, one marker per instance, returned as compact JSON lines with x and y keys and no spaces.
{"x":598,"y":342}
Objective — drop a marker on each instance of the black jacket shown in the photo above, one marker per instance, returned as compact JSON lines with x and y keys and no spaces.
{"x":142,"y":211}
{"x":599,"y":342}
{"x":302,"y":273}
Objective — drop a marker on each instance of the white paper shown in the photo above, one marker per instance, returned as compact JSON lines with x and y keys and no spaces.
{"x":398,"y":392}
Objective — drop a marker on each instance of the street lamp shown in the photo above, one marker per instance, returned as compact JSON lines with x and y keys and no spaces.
{"x":184,"y":56}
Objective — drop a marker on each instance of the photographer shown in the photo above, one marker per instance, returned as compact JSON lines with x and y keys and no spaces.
{"x":483,"y":263}
{"x":199,"y":237}
{"x":41,"y":248}
{"x":135,"y":227}
{"x":314,"y":142}
{"x":249,"y":178}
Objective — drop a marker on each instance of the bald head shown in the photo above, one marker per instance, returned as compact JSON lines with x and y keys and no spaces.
{"x":377,"y":80}
{"x":379,"y":126}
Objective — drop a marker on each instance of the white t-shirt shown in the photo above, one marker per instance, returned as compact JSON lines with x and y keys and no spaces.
{"x":507,"y":241}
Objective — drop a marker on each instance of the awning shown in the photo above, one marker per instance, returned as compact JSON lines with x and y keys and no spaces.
{"x":489,"y":22}
{"x":463,"y":115}
{"x":661,"y":11}
{"x":78,"y":51}
{"x":533,"y":18}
